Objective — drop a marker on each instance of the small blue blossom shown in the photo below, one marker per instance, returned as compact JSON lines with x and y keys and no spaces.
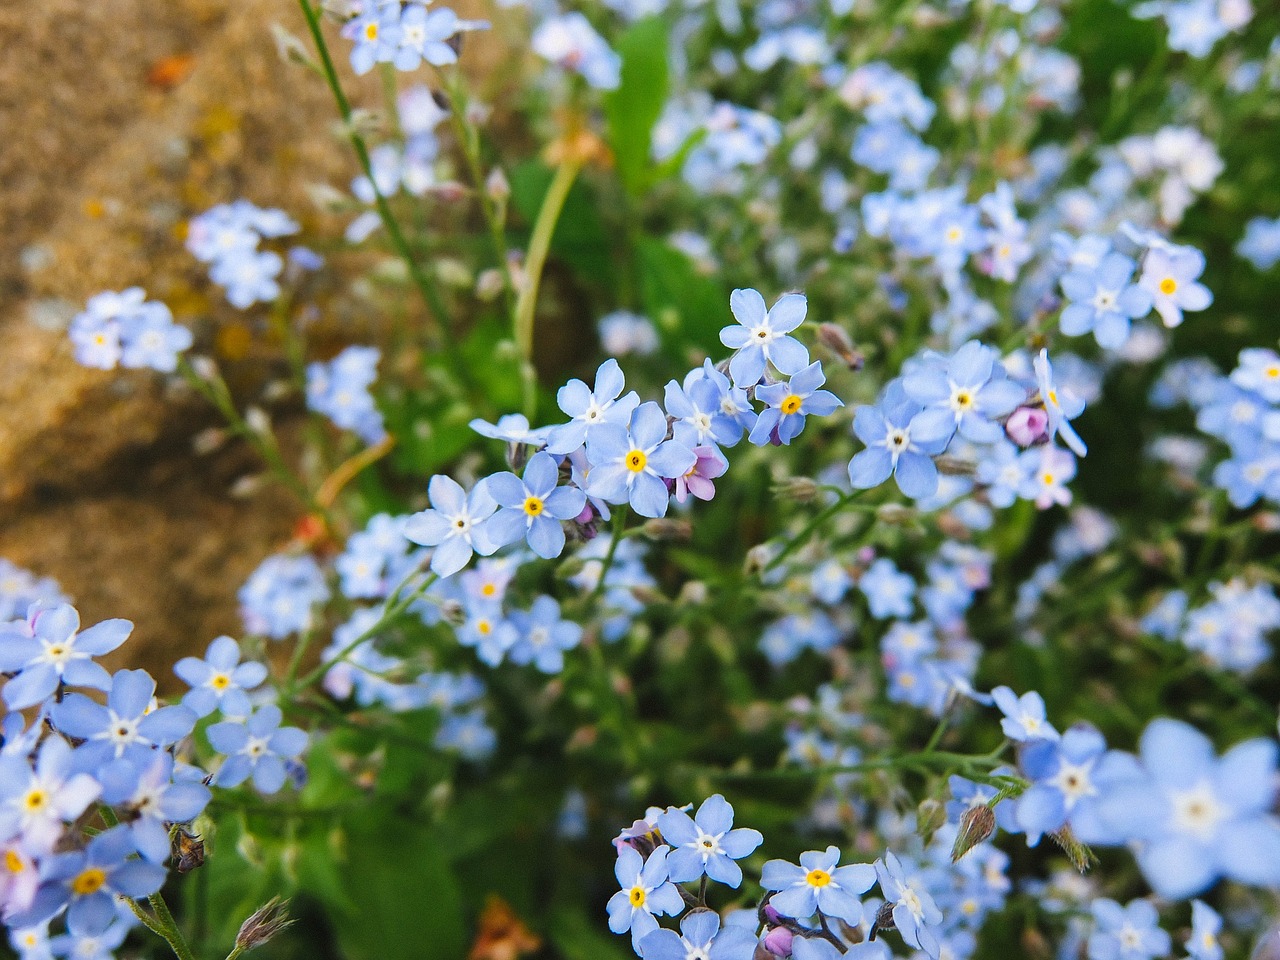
{"x":376,"y":33}
{"x":817,"y":885}
{"x":1127,"y":933}
{"x":488,"y":631}
{"x":570,"y":41}
{"x":340,"y":390}
{"x":700,"y":936}
{"x":534,"y":507}
{"x":591,"y":408}
{"x":892,"y":450}
{"x":1169,"y":275}
{"x":632,"y":464}
{"x":646,"y":891}
{"x":1206,"y":924}
{"x":248,"y":277}
{"x":914,"y":911}
{"x":1062,"y":405}
{"x":127,"y":727}
{"x":966,"y":392}
{"x":790,"y":403}
{"x":707,"y":844}
{"x":1103,"y":301}
{"x":257,"y":747}
{"x":513,"y":428}
{"x":36,"y":801}
{"x":48,"y":649}
{"x":1024,"y":717}
{"x":543,"y":635}
{"x":1260,"y":244}
{"x":888,"y":590}
{"x":155,"y":800}
{"x":280,"y":596}
{"x":220,"y":680}
{"x":456,"y":524}
{"x":761,"y":336}
{"x":468,"y":734}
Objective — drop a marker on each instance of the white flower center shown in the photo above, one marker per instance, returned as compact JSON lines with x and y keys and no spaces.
{"x":1197,"y":811}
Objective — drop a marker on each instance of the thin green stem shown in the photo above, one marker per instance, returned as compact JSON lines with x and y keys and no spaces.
{"x":544,"y":228}
{"x":162,"y":923}
{"x":819,"y":520}
{"x":615,"y":537}
{"x":423,"y":281}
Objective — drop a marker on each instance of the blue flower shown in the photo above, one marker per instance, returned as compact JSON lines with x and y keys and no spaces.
{"x":377,"y":558}
{"x":36,"y":802}
{"x":1169,"y":276}
{"x":1103,"y":301}
{"x":889,"y":592}
{"x":90,"y":879}
{"x":1127,"y":933}
{"x":220,"y":680}
{"x":456,"y":524}
{"x":967,"y":391}
{"x":1068,"y":776}
{"x":645,"y":891}
{"x":1024,"y":717}
{"x":127,"y":727}
{"x":1198,"y":817}
{"x":570,"y":41}
{"x":790,"y":403}
{"x":376,"y":33}
{"x":513,"y":428}
{"x":632,"y":465}
{"x":699,"y":417}
{"x":914,"y":911}
{"x":543,"y":635}
{"x":1260,"y":244}
{"x":258,"y":747}
{"x":48,"y":649}
{"x":707,"y":843}
{"x":340,"y":390}
{"x":533,"y":508}
{"x":248,"y":277}
{"x":468,"y":734}
{"x":1004,"y":471}
{"x":279,"y":597}
{"x":154,"y":800}
{"x":761,"y":337}
{"x":149,"y":338}
{"x":488,"y":631}
{"x":591,"y":408}
{"x":818,"y":885}
{"x":1206,"y":924}
{"x":700,"y":936}
{"x":1062,"y":406}
{"x":423,"y":36}
{"x":887,"y":430}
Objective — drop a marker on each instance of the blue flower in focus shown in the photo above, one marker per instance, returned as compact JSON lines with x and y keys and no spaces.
{"x":36,"y":801}
{"x":513,"y":428}
{"x":966,"y":392}
{"x":1103,"y":301}
{"x":154,"y":799}
{"x":258,"y":747}
{"x":632,"y":465}
{"x":591,"y":408}
{"x":1024,"y":717}
{"x":423,"y":35}
{"x":48,"y":649}
{"x":818,"y":885}
{"x":700,"y":936}
{"x":914,"y":911}
{"x":534,"y":507}
{"x":1196,"y":817}
{"x":646,"y":891}
{"x":456,"y":525}
{"x":789,"y":404}
{"x":279,"y":597}
{"x":696,"y":409}
{"x":761,"y":336}
{"x":888,"y":590}
{"x":340,"y":390}
{"x":706,"y":843}
{"x":543,"y":635}
{"x":892,"y":449}
{"x":220,"y":680}
{"x":127,"y":727}
{"x":1131,"y":932}
{"x":1062,"y":406}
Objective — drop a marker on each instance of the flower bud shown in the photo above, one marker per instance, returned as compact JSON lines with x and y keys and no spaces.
{"x":267,"y":921}
{"x":930,"y":815}
{"x":497,"y":185}
{"x":799,"y":489}
{"x":976,"y":825}
{"x":205,"y":368}
{"x":835,"y":339}
{"x":207,"y":441}
{"x":1078,"y":853}
{"x":1027,"y":425}
{"x":664,"y":530}
{"x":778,"y":941}
{"x":257,"y":420}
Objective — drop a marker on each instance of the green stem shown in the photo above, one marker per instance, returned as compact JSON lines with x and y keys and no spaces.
{"x":162,"y":924}
{"x":615,"y":537}
{"x":800,"y":539}
{"x":544,"y":228}
{"x":426,"y":286}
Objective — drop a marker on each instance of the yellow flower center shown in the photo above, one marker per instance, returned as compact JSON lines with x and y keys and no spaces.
{"x":35,"y":800}
{"x":489,"y":589}
{"x":13,"y":862}
{"x":371,"y":31}
{"x":817,"y":878}
{"x":791,"y":404}
{"x":1272,"y":372}
{"x":637,"y":896}
{"x":636,"y":460}
{"x":1047,"y":478}
{"x":964,"y":399}
{"x":1168,"y":285}
{"x":1053,"y":397}
{"x":485,"y":627}
{"x":220,"y":681}
{"x":533,"y":506}
{"x":88,"y":881}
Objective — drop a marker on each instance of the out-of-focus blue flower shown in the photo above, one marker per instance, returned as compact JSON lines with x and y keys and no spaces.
{"x":1068,"y":776}
{"x":376,"y":32}
{"x":340,"y":390}
{"x":543,"y":635}
{"x":889,"y":592}
{"x":570,"y":41}
{"x":467,"y":733}
{"x":1048,"y":470}
{"x":818,"y":885}
{"x":1206,"y":924}
{"x":279,"y":597}
{"x":127,"y":329}
{"x":1260,"y":244}
{"x":20,"y":588}
{"x":1130,"y":932}
{"x":1103,"y":301}
{"x":761,"y":336}
{"x":36,"y":801}
{"x":914,"y":911}
{"x":622,"y":332}
{"x":1062,"y":405}
{"x":532,"y":508}
{"x":248,"y":277}
{"x":784,"y":639}
{"x":258,"y":747}
{"x":591,"y":408}
{"x":886,"y":429}
{"x":707,"y":843}
{"x":220,"y":680}
{"x":1024,"y":717}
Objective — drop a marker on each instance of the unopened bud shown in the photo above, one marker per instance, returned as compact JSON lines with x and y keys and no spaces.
{"x":207,"y":441}
{"x":895,"y":514}
{"x":671,"y":531}
{"x":267,"y":921}
{"x":694,"y":593}
{"x":956,"y":466}
{"x":1079,"y":854}
{"x":757,"y":559}
{"x":489,"y":284}
{"x":497,"y":185}
{"x":454,"y":273}
{"x":289,"y":47}
{"x":1027,"y":425}
{"x":778,"y":941}
{"x":976,"y":825}
{"x":257,"y":420}
{"x":453,"y":612}
{"x":930,"y":815}
{"x":799,"y":489}
{"x":835,"y":339}
{"x":883,"y":920}
{"x":205,"y":368}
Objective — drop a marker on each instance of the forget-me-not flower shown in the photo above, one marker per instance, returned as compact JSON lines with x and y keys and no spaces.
{"x":632,"y":465}
{"x":533,"y":507}
{"x":591,"y":408}
{"x":456,"y":524}
{"x":1170,"y":275}
{"x":1103,"y":300}
{"x":818,"y":885}
{"x":258,"y":747}
{"x":761,"y":336}
{"x":707,"y":843}
{"x":48,"y":649}
{"x":646,"y":891}
{"x":966,"y":392}
{"x":789,"y":404}
{"x":220,"y":680}
{"x":892,"y":449}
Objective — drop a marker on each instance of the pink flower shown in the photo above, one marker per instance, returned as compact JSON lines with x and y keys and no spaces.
{"x":710,"y":463}
{"x":1027,"y":425}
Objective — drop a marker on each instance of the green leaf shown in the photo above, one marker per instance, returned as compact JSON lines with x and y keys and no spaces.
{"x":689,"y":308}
{"x":633,"y":108}
{"x":579,"y":937}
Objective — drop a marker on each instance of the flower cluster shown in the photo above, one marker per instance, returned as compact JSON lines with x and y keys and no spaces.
{"x":340,"y":390}
{"x":404,"y":34}
{"x":128,"y":330}
{"x":227,"y":238}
